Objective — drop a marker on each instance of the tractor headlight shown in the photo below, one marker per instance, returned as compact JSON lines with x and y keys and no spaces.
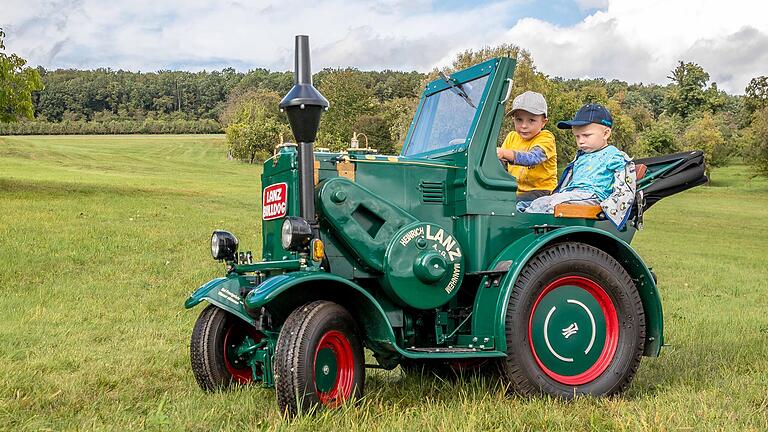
{"x":223,"y":245}
{"x":295,"y":233}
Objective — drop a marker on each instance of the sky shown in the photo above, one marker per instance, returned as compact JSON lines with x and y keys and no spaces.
{"x":630,"y":40}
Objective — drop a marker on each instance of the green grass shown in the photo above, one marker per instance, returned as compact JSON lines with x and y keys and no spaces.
{"x":102,"y":239}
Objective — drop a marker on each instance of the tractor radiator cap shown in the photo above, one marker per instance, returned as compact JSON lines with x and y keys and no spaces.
{"x":424,"y":266}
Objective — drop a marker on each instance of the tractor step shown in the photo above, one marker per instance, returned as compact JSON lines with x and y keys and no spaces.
{"x":443,"y":350}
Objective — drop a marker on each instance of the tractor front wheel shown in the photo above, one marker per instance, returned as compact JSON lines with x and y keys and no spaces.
{"x":215,"y":338}
{"x":318,"y":359}
{"x":574,"y":325}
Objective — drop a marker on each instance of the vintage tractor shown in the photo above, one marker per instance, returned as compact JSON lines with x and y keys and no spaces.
{"x":423,"y":259}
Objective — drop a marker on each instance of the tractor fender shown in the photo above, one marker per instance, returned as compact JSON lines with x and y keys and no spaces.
{"x":223,"y":292}
{"x":492,"y":301}
{"x":281,"y":294}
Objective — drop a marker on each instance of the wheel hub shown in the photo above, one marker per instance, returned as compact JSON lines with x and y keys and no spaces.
{"x":334,"y":368}
{"x":325,"y":369}
{"x":573,"y":330}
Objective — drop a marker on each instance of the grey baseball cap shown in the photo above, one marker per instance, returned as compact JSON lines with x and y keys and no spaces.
{"x":530,"y":101}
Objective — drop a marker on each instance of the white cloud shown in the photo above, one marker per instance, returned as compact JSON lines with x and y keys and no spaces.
{"x":625,"y":39}
{"x":734,"y":58}
{"x":151,"y":34}
{"x":643,"y":41}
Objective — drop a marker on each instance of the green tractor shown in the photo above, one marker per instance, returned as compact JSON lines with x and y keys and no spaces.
{"x":423,"y":259}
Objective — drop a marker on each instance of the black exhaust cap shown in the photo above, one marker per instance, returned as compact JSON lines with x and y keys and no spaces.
{"x":303,"y":104}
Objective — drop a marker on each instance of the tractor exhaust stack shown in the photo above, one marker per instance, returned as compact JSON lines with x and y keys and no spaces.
{"x":304,"y":104}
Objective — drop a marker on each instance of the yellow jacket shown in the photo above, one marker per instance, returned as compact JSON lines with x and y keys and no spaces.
{"x":539,"y":177}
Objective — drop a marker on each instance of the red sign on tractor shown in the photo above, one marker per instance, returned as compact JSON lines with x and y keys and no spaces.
{"x":275,"y":201}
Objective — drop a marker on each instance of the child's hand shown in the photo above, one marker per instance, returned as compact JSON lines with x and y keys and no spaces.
{"x":508,"y":155}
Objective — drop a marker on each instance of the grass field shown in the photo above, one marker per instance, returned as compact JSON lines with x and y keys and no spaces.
{"x":103,"y":238}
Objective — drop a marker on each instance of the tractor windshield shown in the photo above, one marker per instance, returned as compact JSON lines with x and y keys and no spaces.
{"x":445,"y":118}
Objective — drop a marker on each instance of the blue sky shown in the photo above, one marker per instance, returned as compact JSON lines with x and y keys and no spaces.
{"x":560,"y":12}
{"x":630,"y":40}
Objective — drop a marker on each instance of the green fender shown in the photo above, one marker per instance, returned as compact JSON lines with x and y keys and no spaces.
{"x":492,"y":301}
{"x":283,"y":293}
{"x":223,"y":292}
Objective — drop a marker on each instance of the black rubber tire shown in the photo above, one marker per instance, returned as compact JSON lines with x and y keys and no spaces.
{"x":520,"y":370}
{"x":300,"y":335}
{"x":206,"y":348}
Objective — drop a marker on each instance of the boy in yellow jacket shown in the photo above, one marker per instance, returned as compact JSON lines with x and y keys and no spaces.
{"x":529,"y":150}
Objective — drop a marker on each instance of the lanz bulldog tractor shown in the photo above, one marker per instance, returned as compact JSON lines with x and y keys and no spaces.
{"x":423,"y":259}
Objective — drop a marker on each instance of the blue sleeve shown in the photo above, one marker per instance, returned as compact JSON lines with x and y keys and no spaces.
{"x":531,"y":158}
{"x":616,"y":162}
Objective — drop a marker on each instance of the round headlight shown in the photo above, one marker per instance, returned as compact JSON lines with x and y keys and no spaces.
{"x":295,"y":233}
{"x":223,"y":245}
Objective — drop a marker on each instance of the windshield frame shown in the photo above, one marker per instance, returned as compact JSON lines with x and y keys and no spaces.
{"x":439,"y":85}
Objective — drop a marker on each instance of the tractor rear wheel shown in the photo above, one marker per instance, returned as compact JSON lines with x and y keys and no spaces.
{"x":575,"y":324}
{"x":318,"y":359}
{"x":215,"y":337}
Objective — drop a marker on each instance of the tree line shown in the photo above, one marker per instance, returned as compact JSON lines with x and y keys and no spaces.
{"x":116,"y":101}
{"x":687,"y":112}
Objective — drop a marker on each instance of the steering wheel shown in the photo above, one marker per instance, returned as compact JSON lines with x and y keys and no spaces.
{"x":457,"y":141}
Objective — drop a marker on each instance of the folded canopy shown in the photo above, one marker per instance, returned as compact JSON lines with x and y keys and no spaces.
{"x":669,"y":174}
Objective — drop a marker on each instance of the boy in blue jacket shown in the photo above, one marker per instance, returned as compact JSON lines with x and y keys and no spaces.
{"x":600,"y":174}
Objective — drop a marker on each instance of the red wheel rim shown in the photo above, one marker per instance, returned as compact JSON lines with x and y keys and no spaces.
{"x":335,"y":356}
{"x":241,"y":373}
{"x":610,"y":343}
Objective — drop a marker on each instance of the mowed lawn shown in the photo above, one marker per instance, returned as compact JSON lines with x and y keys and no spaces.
{"x":102,"y":238}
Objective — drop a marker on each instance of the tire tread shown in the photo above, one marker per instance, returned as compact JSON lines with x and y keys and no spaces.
{"x":203,"y":355}
{"x":291,"y":382}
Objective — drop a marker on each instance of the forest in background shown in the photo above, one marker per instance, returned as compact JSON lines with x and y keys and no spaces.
{"x":688,"y":112}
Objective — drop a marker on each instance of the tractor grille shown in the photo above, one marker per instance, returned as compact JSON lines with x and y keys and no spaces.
{"x":432,"y":192}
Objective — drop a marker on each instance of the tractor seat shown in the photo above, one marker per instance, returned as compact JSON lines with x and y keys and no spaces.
{"x":640,"y":170}
{"x":567,"y":210}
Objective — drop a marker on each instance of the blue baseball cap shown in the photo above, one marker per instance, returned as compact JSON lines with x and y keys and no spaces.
{"x":589,"y":113}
